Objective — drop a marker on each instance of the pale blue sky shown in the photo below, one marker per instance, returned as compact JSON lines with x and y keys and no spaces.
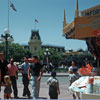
{"x":49,"y":14}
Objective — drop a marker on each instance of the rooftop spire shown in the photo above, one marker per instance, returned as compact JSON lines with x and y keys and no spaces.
{"x":64,"y":21}
{"x":76,"y":11}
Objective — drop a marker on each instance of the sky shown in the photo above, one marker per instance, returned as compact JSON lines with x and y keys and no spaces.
{"x":49,"y":14}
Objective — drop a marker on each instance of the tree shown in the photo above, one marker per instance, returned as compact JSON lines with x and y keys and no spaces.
{"x":84,"y":56}
{"x":15,"y":51}
{"x":2,"y":47}
{"x":40,"y":54}
{"x":54,"y":57}
{"x":80,"y":50}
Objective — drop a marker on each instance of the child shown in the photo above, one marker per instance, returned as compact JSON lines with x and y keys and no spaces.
{"x":7,"y":90}
{"x":53,"y":86}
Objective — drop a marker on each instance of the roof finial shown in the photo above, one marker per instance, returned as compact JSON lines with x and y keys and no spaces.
{"x":76,"y":11}
{"x":64,"y":21}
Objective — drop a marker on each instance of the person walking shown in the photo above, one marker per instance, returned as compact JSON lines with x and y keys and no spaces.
{"x":36,"y":73}
{"x":53,"y":86}
{"x":13,"y":73}
{"x":24,"y":68}
{"x":0,"y":79}
{"x":3,"y":67}
{"x":7,"y":90}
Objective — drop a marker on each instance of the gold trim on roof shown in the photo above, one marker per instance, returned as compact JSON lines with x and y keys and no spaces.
{"x":68,"y":27}
{"x":71,"y":53}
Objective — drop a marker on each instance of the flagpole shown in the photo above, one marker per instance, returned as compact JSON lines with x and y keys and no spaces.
{"x":34,"y":25}
{"x":8,"y":15}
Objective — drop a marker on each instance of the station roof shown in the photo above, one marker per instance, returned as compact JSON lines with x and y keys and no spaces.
{"x":85,"y":26}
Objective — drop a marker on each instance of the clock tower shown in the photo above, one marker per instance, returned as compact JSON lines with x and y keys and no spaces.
{"x":34,"y":42}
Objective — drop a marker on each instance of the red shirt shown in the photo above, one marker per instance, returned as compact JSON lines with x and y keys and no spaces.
{"x":83,"y":71}
{"x":12,"y":69}
{"x":89,"y":68}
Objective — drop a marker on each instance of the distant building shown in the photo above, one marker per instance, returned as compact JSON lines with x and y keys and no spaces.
{"x":35,"y":43}
{"x":55,"y":47}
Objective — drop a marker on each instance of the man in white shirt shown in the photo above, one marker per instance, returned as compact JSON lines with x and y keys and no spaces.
{"x":72,"y":65}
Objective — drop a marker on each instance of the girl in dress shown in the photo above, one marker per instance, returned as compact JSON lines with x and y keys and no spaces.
{"x":7,"y":90}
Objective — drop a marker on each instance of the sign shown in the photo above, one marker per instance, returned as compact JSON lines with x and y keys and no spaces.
{"x":97,"y":32}
{"x":87,"y":27}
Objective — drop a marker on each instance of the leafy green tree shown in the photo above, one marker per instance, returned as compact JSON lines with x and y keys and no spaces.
{"x":15,"y":51}
{"x":40,"y":54}
{"x":83,"y":56}
{"x":2,"y":47}
{"x":54,"y":56}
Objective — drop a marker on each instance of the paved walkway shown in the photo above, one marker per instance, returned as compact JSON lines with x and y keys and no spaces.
{"x":64,"y":94}
{"x":58,"y":74}
{"x":49,"y":74}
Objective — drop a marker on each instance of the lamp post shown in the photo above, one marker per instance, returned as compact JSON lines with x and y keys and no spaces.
{"x":6,"y":38}
{"x":71,"y":50}
{"x":47,"y":53}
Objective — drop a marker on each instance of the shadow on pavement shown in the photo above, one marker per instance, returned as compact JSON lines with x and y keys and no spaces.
{"x":29,"y":98}
{"x":42,"y":98}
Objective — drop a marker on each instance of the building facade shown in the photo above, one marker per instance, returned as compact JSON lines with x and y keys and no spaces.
{"x":35,"y":44}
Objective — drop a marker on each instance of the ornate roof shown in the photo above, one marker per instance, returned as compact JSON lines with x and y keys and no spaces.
{"x":35,"y":33}
{"x":85,"y":26}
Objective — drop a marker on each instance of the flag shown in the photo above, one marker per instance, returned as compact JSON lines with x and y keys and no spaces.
{"x":36,"y":20}
{"x":12,"y":6}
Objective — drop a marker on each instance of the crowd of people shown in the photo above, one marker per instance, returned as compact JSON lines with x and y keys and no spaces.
{"x":32,"y":69}
{"x":8,"y":77}
{"x":76,"y":72}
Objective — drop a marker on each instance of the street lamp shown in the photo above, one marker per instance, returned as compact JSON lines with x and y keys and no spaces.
{"x":71,"y":50}
{"x":47,"y":53}
{"x":6,"y":38}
